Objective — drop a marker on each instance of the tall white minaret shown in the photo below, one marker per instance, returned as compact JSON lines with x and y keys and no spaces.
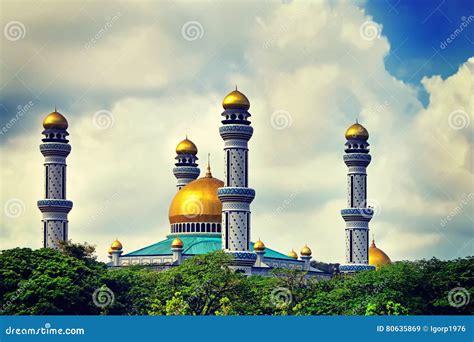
{"x":186,"y":169}
{"x":357,"y":215}
{"x":236,"y":196}
{"x":55,"y":206}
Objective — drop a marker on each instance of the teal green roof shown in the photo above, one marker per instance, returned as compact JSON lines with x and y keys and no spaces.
{"x":196,"y":244}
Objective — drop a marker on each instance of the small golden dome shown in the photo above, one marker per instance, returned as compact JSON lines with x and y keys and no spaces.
{"x":357,"y":131}
{"x":236,"y":100}
{"x":292,"y":254}
{"x":377,"y":257}
{"x":55,"y":120}
{"x":197,"y":202}
{"x":177,"y":243}
{"x":306,"y":251}
{"x":186,"y":146}
{"x":259,"y":246}
{"x":116,"y":245}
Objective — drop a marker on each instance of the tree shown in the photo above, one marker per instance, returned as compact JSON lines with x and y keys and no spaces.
{"x":46,"y":282}
{"x":77,"y":250}
{"x":202,"y":281}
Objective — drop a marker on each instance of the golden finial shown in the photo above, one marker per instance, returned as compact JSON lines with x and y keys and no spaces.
{"x":236,"y":87}
{"x":55,"y":109}
{"x":208,"y":172}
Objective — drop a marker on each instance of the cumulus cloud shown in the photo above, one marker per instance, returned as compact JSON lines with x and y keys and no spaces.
{"x":308,"y":72}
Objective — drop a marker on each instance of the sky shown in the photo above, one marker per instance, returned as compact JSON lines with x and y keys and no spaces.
{"x":133,"y":78}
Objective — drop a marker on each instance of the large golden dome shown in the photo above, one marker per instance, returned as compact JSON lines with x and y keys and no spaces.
{"x":186,"y":146}
{"x":197,"y":202}
{"x":357,"y":131}
{"x":55,"y":120}
{"x":377,"y":257}
{"x":236,"y":100}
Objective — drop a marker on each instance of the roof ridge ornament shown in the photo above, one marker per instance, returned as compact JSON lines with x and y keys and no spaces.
{"x":208,"y":172}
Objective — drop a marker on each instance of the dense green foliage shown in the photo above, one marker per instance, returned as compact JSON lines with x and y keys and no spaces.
{"x":46,"y":281}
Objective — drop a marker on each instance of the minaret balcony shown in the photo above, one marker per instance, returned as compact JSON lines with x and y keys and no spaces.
{"x":357,"y":159}
{"x":236,"y":131}
{"x":357,"y":214}
{"x":56,"y":205}
{"x":236,"y":194}
{"x":243,"y":258}
{"x":186,"y":171}
{"x":55,"y":149}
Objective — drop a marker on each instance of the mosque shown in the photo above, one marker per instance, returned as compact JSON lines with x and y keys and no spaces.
{"x":209,"y":214}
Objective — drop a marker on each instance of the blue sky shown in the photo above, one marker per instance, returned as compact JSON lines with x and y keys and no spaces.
{"x":309,"y":69}
{"x":417,"y":31}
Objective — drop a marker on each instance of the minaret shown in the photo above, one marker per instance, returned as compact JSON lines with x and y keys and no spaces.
{"x":55,"y":206}
{"x":177,"y":247}
{"x":357,"y":215}
{"x":186,"y":169}
{"x":259,"y":249}
{"x":116,"y":249}
{"x":236,"y":196}
{"x":306,"y":257}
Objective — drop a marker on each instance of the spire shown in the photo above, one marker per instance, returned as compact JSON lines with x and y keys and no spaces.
{"x":357,"y":120}
{"x":373,"y":241}
{"x":208,"y":172}
{"x":55,"y":109}
{"x":236,"y":87}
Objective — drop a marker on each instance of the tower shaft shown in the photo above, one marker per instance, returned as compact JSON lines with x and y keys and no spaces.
{"x":236,"y":196}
